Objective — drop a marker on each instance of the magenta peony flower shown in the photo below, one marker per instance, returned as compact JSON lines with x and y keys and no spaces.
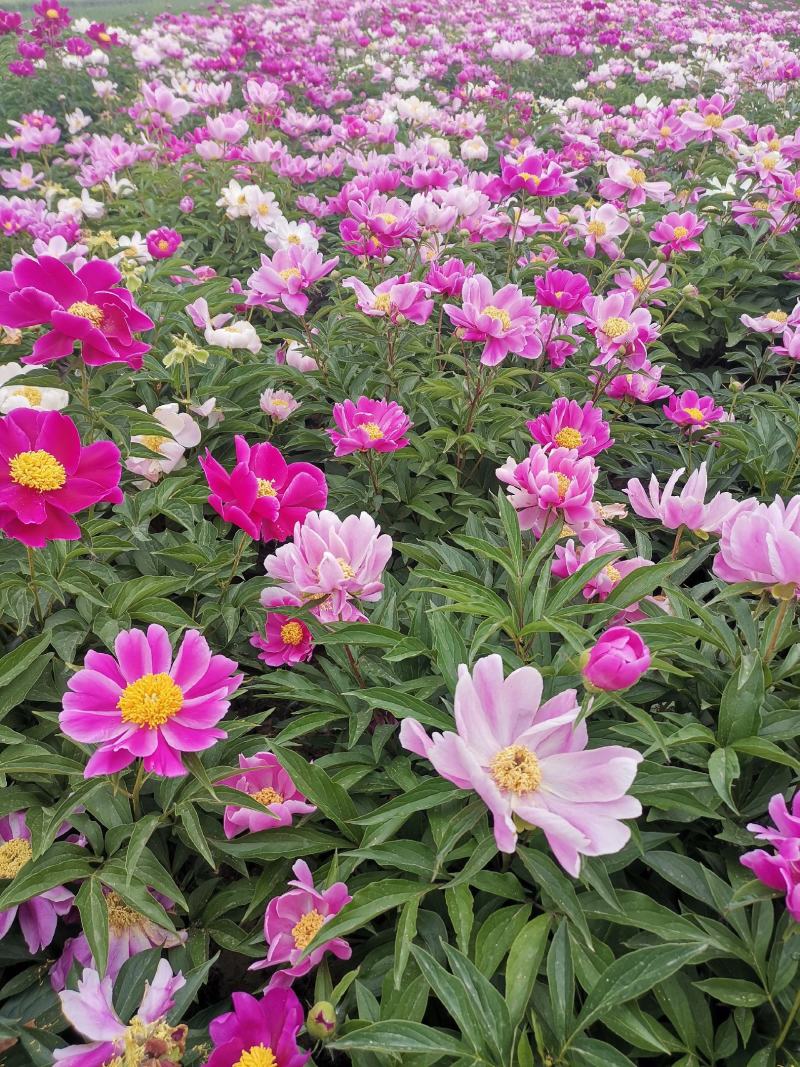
{"x":90,"y":1010}
{"x":616,"y":661}
{"x":86,"y":306}
{"x":38,"y":916}
{"x":284,"y":279}
{"x":529,"y":764}
{"x":387,"y":220}
{"x":448,"y":277}
{"x":379,"y":425}
{"x":593,"y":541}
{"x":502,"y":320}
{"x":47,"y":476}
{"x":293,"y":919}
{"x":550,"y":484}
{"x":692,"y":411}
{"x":285,"y":640}
{"x":536,"y":175}
{"x":568,"y":425}
{"x":264,"y":495}
{"x":163,"y":242}
{"x":779,"y":869}
{"x":264,"y":780}
{"x":146,"y":703}
{"x":562,"y":289}
{"x":259,"y":1033}
{"x":761,"y":543}
{"x":676,"y":232}
{"x":397,"y":299}
{"x":689,"y":509}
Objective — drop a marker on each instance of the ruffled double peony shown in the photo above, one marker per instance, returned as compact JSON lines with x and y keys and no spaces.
{"x":689,"y":508}
{"x":369,"y":425}
{"x":264,"y":495}
{"x":779,"y":869}
{"x":259,"y":1033}
{"x":87,"y":306}
{"x":144,"y":703}
{"x":529,"y":763}
{"x":550,"y":484}
{"x":761,"y":543}
{"x":264,"y":780}
{"x":47,"y":476}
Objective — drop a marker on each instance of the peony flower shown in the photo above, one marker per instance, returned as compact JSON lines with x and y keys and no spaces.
{"x":264,"y":495}
{"x":145,"y":702}
{"x":167,"y":449}
{"x":550,"y":484}
{"x":643,"y":385}
{"x":397,"y":299}
{"x":761,"y":543}
{"x":616,"y":661}
{"x":285,"y":640}
{"x":291,"y":353}
{"x":86,"y":306}
{"x":448,"y":277}
{"x":258,"y":1033}
{"x":600,"y":227}
{"x":163,"y":242}
{"x":643,"y":280}
{"x":90,"y":1010}
{"x":293,"y":919}
{"x":568,"y":425}
{"x":562,"y":290}
{"x":502,"y":320}
{"x":536,"y":175}
{"x":38,"y":397}
{"x":779,"y":869}
{"x":379,"y":425}
{"x":278,"y":404}
{"x":528,"y":761}
{"x":770,"y":321}
{"x":689,"y":509}
{"x":593,"y":541}
{"x":47,"y":476}
{"x":285,"y":278}
{"x":676,"y":232}
{"x":264,"y":780}
{"x":627,"y":180}
{"x":692,"y":411}
{"x":619,"y":328}
{"x":38,"y":916}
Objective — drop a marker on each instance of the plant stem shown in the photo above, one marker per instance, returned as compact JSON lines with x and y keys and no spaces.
{"x":779,"y":1040}
{"x":783,"y":607}
{"x":235,"y":565}
{"x":37,"y":607}
{"x":137,"y":788}
{"x":677,"y":543}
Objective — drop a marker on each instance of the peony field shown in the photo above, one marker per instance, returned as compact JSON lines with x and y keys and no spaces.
{"x":400,"y":534}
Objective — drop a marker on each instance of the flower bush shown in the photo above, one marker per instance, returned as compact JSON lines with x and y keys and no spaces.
{"x":400,"y":524}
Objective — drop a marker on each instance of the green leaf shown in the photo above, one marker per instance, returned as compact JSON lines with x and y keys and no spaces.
{"x":367,"y":904}
{"x":524,"y":959}
{"x":14,"y":663}
{"x":91,"y":904}
{"x":406,"y":932}
{"x":396,"y":1037}
{"x":427,"y":794}
{"x":404,"y":706}
{"x":734,"y":991}
{"x":723,"y":770}
{"x":137,"y":843}
{"x":331,"y":799}
{"x":740,"y":706}
{"x":60,"y":864}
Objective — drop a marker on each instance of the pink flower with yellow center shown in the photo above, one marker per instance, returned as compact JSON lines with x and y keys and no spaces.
{"x":568,"y":425}
{"x":284,"y":639}
{"x":377,"y":425}
{"x":264,"y":780}
{"x":550,"y":484}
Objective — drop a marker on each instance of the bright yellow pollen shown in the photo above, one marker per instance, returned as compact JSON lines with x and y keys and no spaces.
{"x":153,"y":441}
{"x":278,"y":403}
{"x":516,"y":769}
{"x":665,"y":131}
{"x":257,"y":1056}
{"x":150,"y":701}
{"x":306,"y":928}
{"x":31,"y":394}
{"x":639,"y":283}
{"x":85,"y":310}
{"x":774,"y":144}
{"x":120,"y":915}
{"x":387,"y":217}
{"x":290,"y":272}
{"x":51,"y":13}
{"x":383,"y":303}
{"x":373,"y":430}
{"x":769,"y":162}
{"x":163,"y":245}
{"x":14,"y":854}
{"x":498,"y":314}
{"x":265,"y":488}
{"x":569,"y":437}
{"x":763,"y":205}
{"x":713,"y":120}
{"x":37,"y":470}
{"x":529,"y":177}
{"x":267,"y":795}
{"x":616,"y":327}
{"x":104,"y":37}
{"x":612,"y":573}
{"x":637,"y":175}
{"x":563,"y":485}
{"x":263,"y":209}
{"x":292,"y":633}
{"x":680,"y":232}
{"x":347,"y":570}
{"x":596,"y":228}
{"x":777,"y":316}
{"x":695,"y":413}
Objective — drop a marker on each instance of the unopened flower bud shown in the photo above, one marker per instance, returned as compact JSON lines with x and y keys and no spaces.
{"x":321,"y":1021}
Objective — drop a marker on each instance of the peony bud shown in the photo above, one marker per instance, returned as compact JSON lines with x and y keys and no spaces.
{"x":321,"y":1021}
{"x":617,"y":661}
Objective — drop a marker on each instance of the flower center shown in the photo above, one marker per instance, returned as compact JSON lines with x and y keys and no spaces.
{"x":51,"y":13}
{"x":150,"y":701}
{"x":104,"y":37}
{"x":516,"y":769}
{"x":665,"y":131}
{"x":120,"y":916}
{"x":14,"y":854}
{"x":777,"y":316}
{"x":257,"y":1056}
{"x":268,"y":795}
{"x":85,"y":310}
{"x":37,"y":470}
{"x":387,"y":217}
{"x":612,"y":573}
{"x":713,"y":120}
{"x":372,"y":430}
{"x":639,"y":283}
{"x":769,"y":162}
{"x":680,"y":232}
{"x":569,"y":437}
{"x":306,"y":928}
{"x":31,"y":394}
{"x":616,"y":327}
{"x":265,"y":488}
{"x":498,"y":314}
{"x":695,"y":413}
{"x":563,"y":485}
{"x":597,"y":229}
{"x":293,"y":239}
{"x":347,"y":570}
{"x":383,"y":302}
{"x":292,"y":633}
{"x":527,"y":177}
{"x":163,"y":245}
{"x":290,"y":272}
{"x":153,"y":441}
{"x":637,"y":175}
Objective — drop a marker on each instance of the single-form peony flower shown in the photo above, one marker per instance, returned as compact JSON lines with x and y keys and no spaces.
{"x":258,"y":1033}
{"x":568,"y":425}
{"x":278,"y":404}
{"x":264,"y":780}
{"x":628,"y":181}
{"x":283,"y":279}
{"x":145,"y":702}
{"x":761,"y":543}
{"x":163,"y":242}
{"x":689,"y":509}
{"x":38,"y":916}
{"x":692,"y":411}
{"x":779,"y":869}
{"x":528,"y":762}
{"x":165,"y":451}
{"x":616,"y":661}
{"x":619,"y":328}
{"x":550,"y":484}
{"x":397,"y":299}
{"x":367,"y":424}
{"x":676,"y":232}
{"x":284,"y":640}
{"x":503,"y":320}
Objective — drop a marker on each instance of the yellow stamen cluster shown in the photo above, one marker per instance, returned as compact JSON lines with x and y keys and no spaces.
{"x":265,"y":488}
{"x":148,"y":1043}
{"x":372,"y":430}
{"x":153,"y":441}
{"x":680,"y":232}
{"x":290,"y":272}
{"x":37,"y":470}
{"x":31,"y":394}
{"x":257,"y":1056}
{"x":516,"y":769}
{"x":563,"y":485}
{"x":163,"y":245}
{"x":85,"y":310}
{"x":267,"y":795}
{"x":612,"y":573}
{"x":769,"y":162}
{"x":51,"y":13}
{"x":695,"y":413}
{"x":665,"y":131}
{"x":120,"y":915}
{"x":616,"y":327}
{"x":777,"y":316}
{"x":347,"y":570}
{"x":713,"y":120}
{"x":387,"y":217}
{"x":596,"y":228}
{"x":306,"y":928}
{"x":14,"y":854}
{"x":150,"y":701}
{"x":498,"y":314}
{"x":569,"y":437}
{"x":637,"y":175}
{"x":527,"y":177}
{"x":639,"y":283}
{"x":292,"y":633}
{"x":383,"y":302}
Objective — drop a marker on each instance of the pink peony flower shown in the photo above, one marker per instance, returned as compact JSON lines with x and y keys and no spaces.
{"x":448,"y":277}
{"x":528,"y":761}
{"x":689,"y":509}
{"x":676,"y":232}
{"x":779,"y":869}
{"x":593,"y":541}
{"x":642,"y":386}
{"x":535,"y":174}
{"x":550,"y":484}
{"x":712,"y":119}
{"x":643,"y":279}
{"x":264,"y":495}
{"x":388,"y":220}
{"x":163,"y":243}
{"x":258,"y":1033}
{"x":562,"y":290}
{"x":38,"y":916}
{"x":47,"y":476}
{"x":568,"y":425}
{"x":86,"y":306}
{"x":502,"y":320}
{"x":285,"y":640}
{"x":692,"y":411}
{"x":600,"y":227}
{"x":626,"y":180}
{"x":619,"y":328}
{"x":145,"y":702}
{"x":761,"y":543}
{"x":396,"y":299}
{"x":616,"y":661}
{"x":379,"y":425}
{"x":264,"y":780}
{"x":293,"y":919}
{"x":285,"y":278}
{"x":770,"y":321}
{"x":278,"y":404}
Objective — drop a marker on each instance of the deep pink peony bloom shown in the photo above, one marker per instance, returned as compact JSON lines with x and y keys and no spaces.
{"x":293,"y":919}
{"x":379,"y":425}
{"x":47,"y":476}
{"x":285,"y":640}
{"x":163,"y":242}
{"x":528,"y":761}
{"x":676,"y":232}
{"x":448,"y":277}
{"x":644,"y":385}
{"x":388,"y":220}
{"x":259,"y":1029}
{"x":593,"y":541}
{"x":264,"y":495}
{"x":86,"y":306}
{"x":38,"y":916}
{"x":692,"y":411}
{"x":550,"y":484}
{"x":264,"y":780}
{"x":502,"y":320}
{"x":779,"y":869}
{"x":689,"y":509}
{"x":90,"y":1010}
{"x":397,"y":299}
{"x":146,"y":703}
{"x":616,"y":661}
{"x":568,"y":425}
{"x":562,"y":290}
{"x":761,"y":543}
{"x":535,"y":174}
{"x":284,"y":279}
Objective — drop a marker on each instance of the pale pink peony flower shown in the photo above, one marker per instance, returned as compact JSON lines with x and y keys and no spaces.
{"x":619,"y":328}
{"x":503,"y":320}
{"x":284,"y":279}
{"x":761,"y":543}
{"x":278,"y":404}
{"x":780,"y":869}
{"x":396,"y":299}
{"x":550,"y":484}
{"x":627,"y":180}
{"x":167,"y":449}
{"x":689,"y":509}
